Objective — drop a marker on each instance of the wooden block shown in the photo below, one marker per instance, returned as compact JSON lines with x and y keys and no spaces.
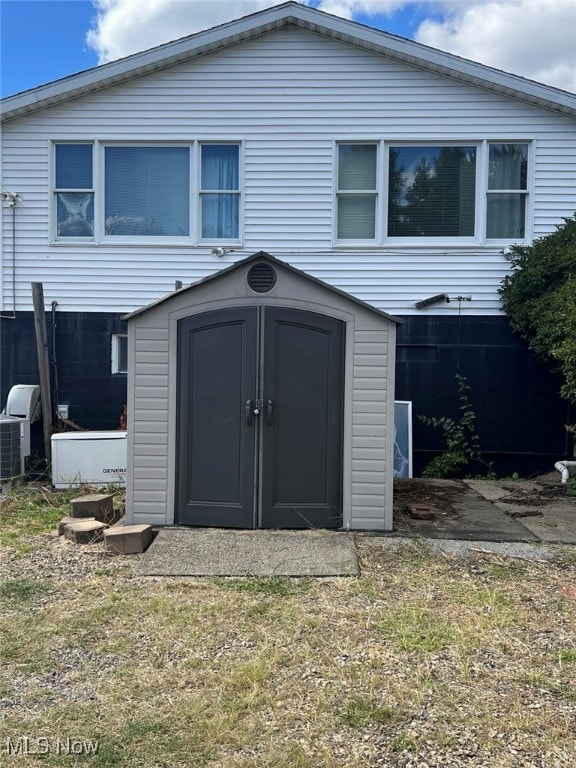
{"x":128,"y":539}
{"x":65,"y":520}
{"x":97,"y":505}
{"x":85,"y":531}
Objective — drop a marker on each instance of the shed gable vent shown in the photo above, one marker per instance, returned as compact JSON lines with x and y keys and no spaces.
{"x":261,"y":278}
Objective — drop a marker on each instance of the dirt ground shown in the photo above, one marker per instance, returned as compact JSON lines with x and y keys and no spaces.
{"x":523,"y":498}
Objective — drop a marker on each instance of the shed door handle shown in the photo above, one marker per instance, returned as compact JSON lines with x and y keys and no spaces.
{"x":269,"y":411}
{"x":249,"y":410}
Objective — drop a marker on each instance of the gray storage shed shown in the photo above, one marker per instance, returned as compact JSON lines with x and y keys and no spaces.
{"x":261,"y":397}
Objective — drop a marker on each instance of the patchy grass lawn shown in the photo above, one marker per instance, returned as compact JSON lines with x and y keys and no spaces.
{"x":422,"y":661}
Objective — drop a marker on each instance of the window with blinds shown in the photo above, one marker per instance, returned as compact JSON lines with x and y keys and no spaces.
{"x":357,"y":192}
{"x":388,"y":192}
{"x":143,"y":193}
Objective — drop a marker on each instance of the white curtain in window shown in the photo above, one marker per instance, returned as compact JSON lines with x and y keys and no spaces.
{"x":506,"y":216}
{"x":220,"y":191}
{"x":507,"y":170}
{"x":507,"y":166}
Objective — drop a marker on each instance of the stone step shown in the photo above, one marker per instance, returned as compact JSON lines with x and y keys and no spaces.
{"x":128,"y":539}
{"x":97,"y":505}
{"x":85,"y":531}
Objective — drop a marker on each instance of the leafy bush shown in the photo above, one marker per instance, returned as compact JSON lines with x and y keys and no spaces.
{"x":539,"y":297}
{"x":460,"y":437}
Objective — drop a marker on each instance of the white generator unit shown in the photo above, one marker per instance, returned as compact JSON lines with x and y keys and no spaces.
{"x":22,"y":409}
{"x":93,"y":458}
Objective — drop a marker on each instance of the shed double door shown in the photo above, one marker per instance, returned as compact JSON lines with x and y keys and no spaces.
{"x":260,"y":399}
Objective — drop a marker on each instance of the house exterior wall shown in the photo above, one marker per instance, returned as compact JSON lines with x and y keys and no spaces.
{"x":368,"y":397}
{"x":288,"y":96}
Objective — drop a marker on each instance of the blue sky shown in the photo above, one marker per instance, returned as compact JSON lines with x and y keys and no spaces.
{"x":43,"y":40}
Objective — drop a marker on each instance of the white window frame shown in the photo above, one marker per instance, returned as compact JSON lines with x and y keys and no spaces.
{"x":526,"y":193}
{"x":98,"y":192}
{"x":140,"y":239}
{"x":117,"y":340}
{"x":55,"y":191}
{"x":481,"y":193}
{"x":377,"y":192}
{"x":199,"y":192}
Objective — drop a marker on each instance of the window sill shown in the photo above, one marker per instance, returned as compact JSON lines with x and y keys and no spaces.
{"x":140,"y":243}
{"x":452,"y":245}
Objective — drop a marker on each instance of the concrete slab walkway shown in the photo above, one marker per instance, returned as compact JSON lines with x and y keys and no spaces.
{"x":552,"y":522}
{"x":223,"y":552}
{"x":482,"y":517}
{"x":474,"y":518}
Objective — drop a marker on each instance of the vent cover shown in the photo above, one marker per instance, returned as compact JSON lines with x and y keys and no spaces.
{"x":261,"y":278}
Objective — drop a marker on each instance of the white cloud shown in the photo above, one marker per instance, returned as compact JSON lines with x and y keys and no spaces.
{"x":532,"y":38}
{"x":123,"y":27}
{"x":351,"y":9}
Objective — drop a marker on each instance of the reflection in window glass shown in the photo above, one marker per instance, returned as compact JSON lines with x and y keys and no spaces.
{"x":431,"y":191}
{"x":147,"y":191}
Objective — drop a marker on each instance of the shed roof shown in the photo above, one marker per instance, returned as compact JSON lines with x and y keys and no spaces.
{"x":262,"y":256}
{"x":295,"y":14}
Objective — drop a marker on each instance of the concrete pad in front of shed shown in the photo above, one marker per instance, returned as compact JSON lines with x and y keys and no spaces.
{"x":224,"y":552}
{"x":556,"y":523}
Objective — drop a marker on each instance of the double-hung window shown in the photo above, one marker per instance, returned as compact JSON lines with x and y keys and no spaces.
{"x":181,"y":193}
{"x":74,"y":190}
{"x":507,"y":191}
{"x":357,"y":191}
{"x":219,"y":191}
{"x":399,"y":192}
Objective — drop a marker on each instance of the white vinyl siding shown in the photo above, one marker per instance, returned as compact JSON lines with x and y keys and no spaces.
{"x":288,"y":97}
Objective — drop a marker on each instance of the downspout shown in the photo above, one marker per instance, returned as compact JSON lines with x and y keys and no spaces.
{"x":12,"y":198}
{"x":55,"y":397}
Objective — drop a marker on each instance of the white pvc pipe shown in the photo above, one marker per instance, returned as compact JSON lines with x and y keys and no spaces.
{"x":562,"y":467}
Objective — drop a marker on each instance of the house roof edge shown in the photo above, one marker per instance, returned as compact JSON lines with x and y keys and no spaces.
{"x":290,"y":13}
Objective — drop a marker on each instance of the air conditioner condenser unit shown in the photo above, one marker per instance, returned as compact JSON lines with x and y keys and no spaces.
{"x":11,"y":448}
